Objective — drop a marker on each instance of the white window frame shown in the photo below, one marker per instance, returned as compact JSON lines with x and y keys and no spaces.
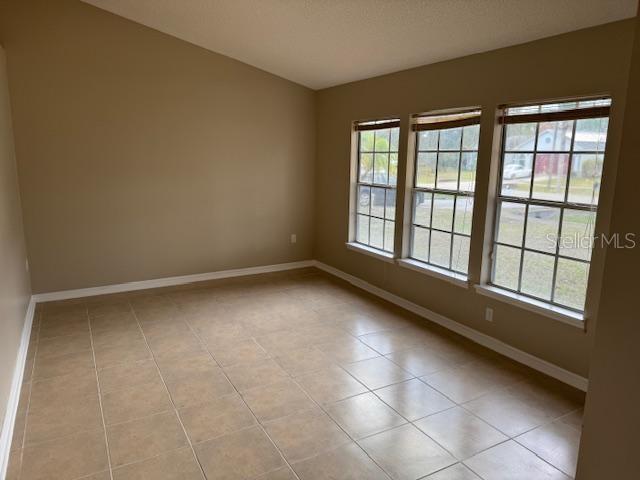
{"x":353,"y":243}
{"x":440,"y":120}
{"x":585,"y":108}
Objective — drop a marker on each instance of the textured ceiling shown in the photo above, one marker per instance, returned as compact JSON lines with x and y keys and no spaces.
{"x":321,"y":43}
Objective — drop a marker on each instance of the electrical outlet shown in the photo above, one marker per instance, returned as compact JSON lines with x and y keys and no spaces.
{"x":488,"y":314}
{"x":294,"y":238}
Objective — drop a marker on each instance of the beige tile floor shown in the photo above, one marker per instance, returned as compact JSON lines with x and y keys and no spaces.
{"x":278,"y":376}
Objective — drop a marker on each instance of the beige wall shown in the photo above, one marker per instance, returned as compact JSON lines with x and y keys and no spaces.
{"x":14,"y":280}
{"x":610,"y":442}
{"x":142,"y":156}
{"x":592,"y":61}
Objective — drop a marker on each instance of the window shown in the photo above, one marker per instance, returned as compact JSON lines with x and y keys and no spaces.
{"x":551,"y":168}
{"x":444,"y":181}
{"x":376,"y":180}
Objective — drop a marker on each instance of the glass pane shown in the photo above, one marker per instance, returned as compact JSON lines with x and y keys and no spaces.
{"x":380,"y":168}
{"x":558,"y":107}
{"x":448,"y":170}
{"x":442,"y":216}
{"x":550,"y":177}
{"x":591,"y":135}
{"x":555,"y":136}
{"x":382,"y":140}
{"x":511,"y":223}
{"x":428,"y":140}
{"x":450,"y":139}
{"x":542,"y":228}
{"x":362,"y":229}
{"x":464,"y":214}
{"x":366,"y":141}
{"x":537,"y":275}
{"x":393,"y":169}
{"x":523,"y":110}
{"x":395,"y":134}
{"x":571,"y":283}
{"x":468,"y":165}
{"x":376,"y":232}
{"x":422,"y":208}
{"x":470,"y":137}
{"x":576,"y":238}
{"x":366,"y":167}
{"x":584,"y":184}
{"x":390,"y":205}
{"x":600,"y":102}
{"x":420,"y":244}
{"x":507,"y":267}
{"x":440,"y":248}
{"x":364,"y":199}
{"x":516,"y":174}
{"x":426,"y":170}
{"x":460,"y":259}
{"x":377,"y":202}
{"x":389,"y":232}
{"x":520,"y":137}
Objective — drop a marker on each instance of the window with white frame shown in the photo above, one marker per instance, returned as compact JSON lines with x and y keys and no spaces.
{"x":375,"y":185}
{"x":551,"y":168}
{"x":444,"y":178}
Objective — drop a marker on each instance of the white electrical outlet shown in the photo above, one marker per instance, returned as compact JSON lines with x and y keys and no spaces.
{"x":488,"y":314}
{"x":294,"y":238}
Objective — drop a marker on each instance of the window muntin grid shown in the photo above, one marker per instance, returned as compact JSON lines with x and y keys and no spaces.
{"x":377,"y":176}
{"x":547,"y":201}
{"x":442,"y":196}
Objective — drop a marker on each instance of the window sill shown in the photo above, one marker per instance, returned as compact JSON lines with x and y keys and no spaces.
{"x":372,"y":252}
{"x":552,"y":311}
{"x":433,"y":271}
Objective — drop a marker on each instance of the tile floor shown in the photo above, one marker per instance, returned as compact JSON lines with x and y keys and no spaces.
{"x":278,"y":376}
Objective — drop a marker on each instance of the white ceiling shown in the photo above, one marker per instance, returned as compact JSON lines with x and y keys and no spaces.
{"x":321,"y":43}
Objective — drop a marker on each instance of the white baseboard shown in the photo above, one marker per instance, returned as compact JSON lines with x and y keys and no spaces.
{"x":14,"y":394}
{"x":168,"y":281}
{"x":520,"y":356}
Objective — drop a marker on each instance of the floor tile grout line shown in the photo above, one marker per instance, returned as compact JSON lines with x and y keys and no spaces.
{"x":64,"y":437}
{"x":321,"y":407}
{"x":426,"y":477}
{"x":462,"y":405}
{"x":264,"y":431}
{"x":95,"y":368}
{"x":514,"y":439}
{"x":407,"y":421}
{"x":550,"y":420}
{"x":175,"y":408}
{"x":83,"y":477}
{"x":472,"y":470}
{"x":151,"y":457}
{"x":135,"y":419}
{"x":506,"y":441}
{"x":28,"y":408}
